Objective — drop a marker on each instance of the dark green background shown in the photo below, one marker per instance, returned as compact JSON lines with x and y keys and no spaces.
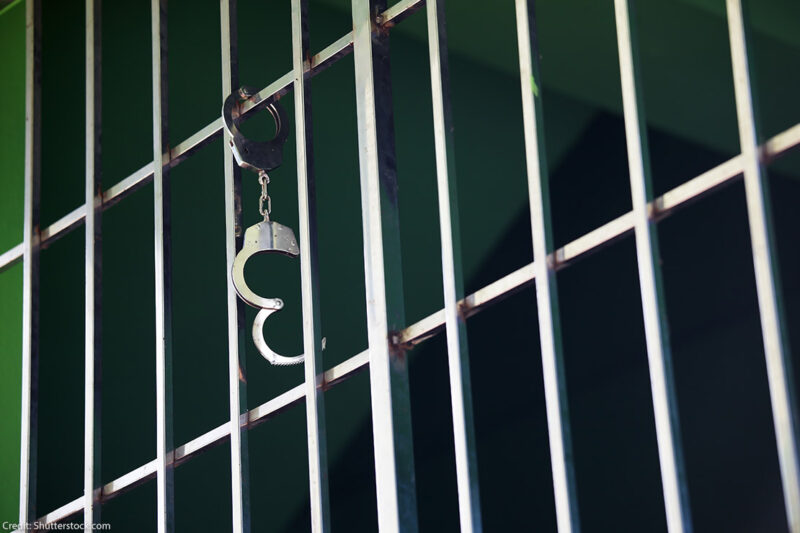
{"x":723,"y":398}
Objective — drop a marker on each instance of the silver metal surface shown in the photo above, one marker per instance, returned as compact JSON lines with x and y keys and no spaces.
{"x":309,"y":276}
{"x":265,"y":237}
{"x":469,"y":504}
{"x":93,"y":268}
{"x":259,"y":156}
{"x":391,"y":412}
{"x":665,"y":405}
{"x":30,"y":263}
{"x":400,"y":11}
{"x":237,"y":392}
{"x":264,"y":349}
{"x":765,"y":261}
{"x":553,"y":373}
{"x":161,"y":191}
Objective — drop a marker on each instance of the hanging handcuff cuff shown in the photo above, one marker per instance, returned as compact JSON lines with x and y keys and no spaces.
{"x":268,"y":236}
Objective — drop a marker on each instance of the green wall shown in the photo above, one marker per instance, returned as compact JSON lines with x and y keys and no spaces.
{"x":12,"y":125}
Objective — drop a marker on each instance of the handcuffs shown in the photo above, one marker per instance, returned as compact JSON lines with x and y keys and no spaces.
{"x":268,"y":236}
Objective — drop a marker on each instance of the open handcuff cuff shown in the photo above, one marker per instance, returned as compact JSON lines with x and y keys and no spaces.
{"x":268,"y":236}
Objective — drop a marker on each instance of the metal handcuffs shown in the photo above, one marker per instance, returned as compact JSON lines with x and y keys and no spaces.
{"x":267,"y":236}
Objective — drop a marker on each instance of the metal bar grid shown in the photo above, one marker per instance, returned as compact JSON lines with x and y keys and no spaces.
{"x":394,"y":465}
{"x":426,"y":328}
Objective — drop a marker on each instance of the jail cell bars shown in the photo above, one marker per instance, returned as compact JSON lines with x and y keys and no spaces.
{"x":391,"y":426}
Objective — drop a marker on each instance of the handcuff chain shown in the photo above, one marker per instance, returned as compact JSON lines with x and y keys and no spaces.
{"x":263,"y":179}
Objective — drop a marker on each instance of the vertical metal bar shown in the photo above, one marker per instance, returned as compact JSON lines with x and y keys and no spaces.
{"x":312,"y":337}
{"x":673,"y":479}
{"x":469,"y":504}
{"x":553,"y":373}
{"x":391,"y":411}
{"x":93,"y":268}
{"x":163,"y":296}
{"x":240,"y":486}
{"x":773,"y":328}
{"x":30,"y":262}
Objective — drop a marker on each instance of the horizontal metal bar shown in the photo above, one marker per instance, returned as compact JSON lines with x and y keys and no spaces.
{"x":65,"y":511}
{"x":130,"y":480}
{"x":346,"y":369}
{"x":472,"y":304}
{"x":694,"y":188}
{"x":276,"y":405}
{"x":64,"y":225}
{"x":400,"y":11}
{"x":332,"y":53}
{"x":780,"y":144}
{"x":206,"y":440}
{"x":183,"y":150}
{"x":11,"y":257}
{"x":129,"y":185}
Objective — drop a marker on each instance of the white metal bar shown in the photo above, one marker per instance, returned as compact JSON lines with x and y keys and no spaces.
{"x":206,"y":440}
{"x":64,"y":225}
{"x":129,"y":480}
{"x":780,"y":143}
{"x":65,"y":511}
{"x":30,"y":263}
{"x":553,"y":373}
{"x":469,"y":505}
{"x":161,"y":191}
{"x":765,"y":261}
{"x":11,"y":257}
{"x":673,"y":480}
{"x":400,"y":10}
{"x":391,"y":417}
{"x":309,"y":275}
{"x":93,"y":268}
{"x":237,"y":399}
